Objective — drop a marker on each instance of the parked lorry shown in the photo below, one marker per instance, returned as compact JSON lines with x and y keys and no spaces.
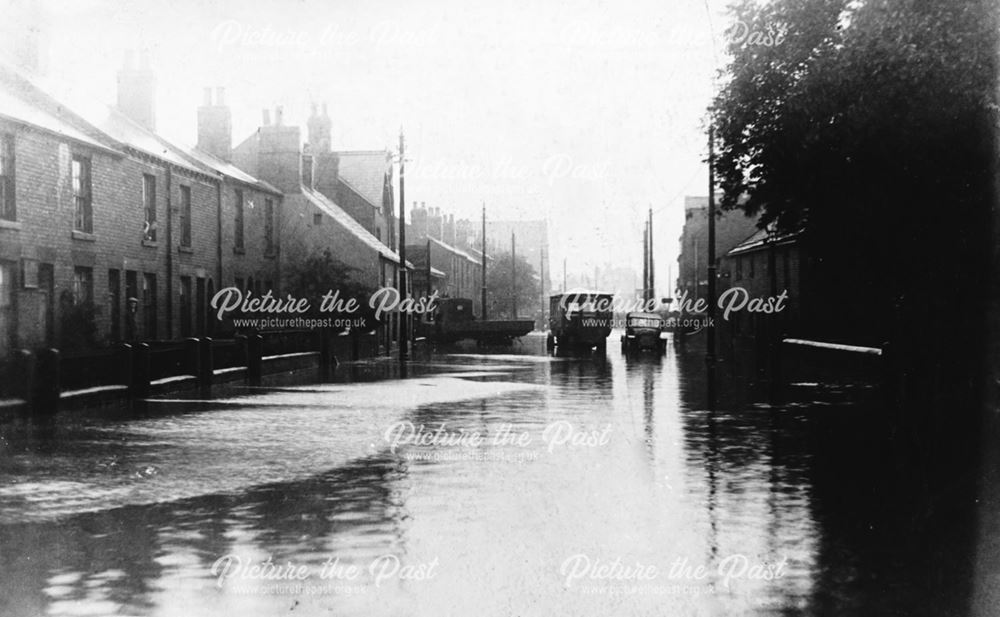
{"x":453,"y":320}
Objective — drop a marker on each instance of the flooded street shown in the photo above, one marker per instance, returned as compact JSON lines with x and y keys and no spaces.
{"x":509,"y":483}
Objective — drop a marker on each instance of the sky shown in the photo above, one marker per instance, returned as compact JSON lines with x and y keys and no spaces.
{"x":582,"y":112}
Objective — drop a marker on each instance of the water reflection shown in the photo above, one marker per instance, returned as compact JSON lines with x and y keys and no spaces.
{"x":305,"y":473}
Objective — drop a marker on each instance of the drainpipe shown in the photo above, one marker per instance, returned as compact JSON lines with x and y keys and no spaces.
{"x":170,"y":257}
{"x":218,"y":234}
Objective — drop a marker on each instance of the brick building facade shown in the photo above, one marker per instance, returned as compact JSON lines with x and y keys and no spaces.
{"x":109,"y":226}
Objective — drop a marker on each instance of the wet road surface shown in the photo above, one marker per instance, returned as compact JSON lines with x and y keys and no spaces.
{"x":508,"y":483}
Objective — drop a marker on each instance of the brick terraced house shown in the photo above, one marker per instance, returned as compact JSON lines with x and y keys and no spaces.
{"x":105,"y":224}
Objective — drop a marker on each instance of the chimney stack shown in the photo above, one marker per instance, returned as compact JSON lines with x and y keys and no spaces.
{"x":266,"y":118}
{"x":137,"y":90}
{"x":280,"y":157}
{"x":319,"y":131}
{"x":215,"y":126}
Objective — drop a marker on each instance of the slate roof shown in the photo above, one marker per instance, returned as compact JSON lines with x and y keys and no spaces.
{"x":761,"y":238}
{"x":347,"y":221}
{"x":364,"y":172}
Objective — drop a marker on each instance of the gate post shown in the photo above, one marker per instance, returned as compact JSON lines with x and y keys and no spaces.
{"x":45,"y":387}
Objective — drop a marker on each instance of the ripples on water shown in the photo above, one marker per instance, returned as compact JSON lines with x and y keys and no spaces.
{"x":105,"y":515}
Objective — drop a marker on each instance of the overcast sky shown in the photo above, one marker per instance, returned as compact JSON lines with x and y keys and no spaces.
{"x":585,"y":112}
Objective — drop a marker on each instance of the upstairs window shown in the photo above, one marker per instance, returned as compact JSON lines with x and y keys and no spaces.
{"x":149,"y":206}
{"x":80,"y":171}
{"x":8,"y":211}
{"x":185,"y":216}
{"x":238,"y":221}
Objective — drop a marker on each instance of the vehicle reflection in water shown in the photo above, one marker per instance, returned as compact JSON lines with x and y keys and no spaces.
{"x":282,"y":474}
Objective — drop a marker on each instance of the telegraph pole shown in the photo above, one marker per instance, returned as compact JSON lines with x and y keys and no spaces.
{"x":710,"y":326}
{"x":541,"y":273}
{"x":403,"y":330}
{"x":652,"y":278}
{"x":484,"y":263}
{"x":645,"y":262}
{"x":513,"y":275}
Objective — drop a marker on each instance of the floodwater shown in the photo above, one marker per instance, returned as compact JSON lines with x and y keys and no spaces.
{"x":508,"y":483}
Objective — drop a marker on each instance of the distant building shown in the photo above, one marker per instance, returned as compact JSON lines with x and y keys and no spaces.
{"x":359,"y":181}
{"x":731,"y":228}
{"x":452,"y":272}
{"x":312,"y":221}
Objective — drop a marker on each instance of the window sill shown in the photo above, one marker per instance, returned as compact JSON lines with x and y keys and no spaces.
{"x":185,"y":249}
{"x":83,"y":235}
{"x":150,"y":243}
{"x":239,"y":251}
{"x":5,"y":224}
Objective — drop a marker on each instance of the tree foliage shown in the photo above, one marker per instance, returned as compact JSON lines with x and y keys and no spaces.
{"x":871,"y":127}
{"x":500,"y":298}
{"x":318,"y":274}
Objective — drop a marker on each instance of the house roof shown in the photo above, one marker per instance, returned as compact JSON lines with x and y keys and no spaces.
{"x":762,"y":238}
{"x":455,"y":250}
{"x":227,"y":169}
{"x":364,"y":172}
{"x":116,"y":125}
{"x":19,"y":110}
{"x":119,"y":130}
{"x":348,"y":222}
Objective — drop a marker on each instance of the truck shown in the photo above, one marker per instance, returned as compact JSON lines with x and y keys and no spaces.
{"x":580,"y":319}
{"x":453,"y":320}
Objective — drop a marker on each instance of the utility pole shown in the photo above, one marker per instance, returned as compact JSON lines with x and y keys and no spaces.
{"x":541,"y":285}
{"x":652,"y":278}
{"x":645,"y":262}
{"x":403,"y":330}
{"x":483,"y":311}
{"x":513,"y":275}
{"x":429,"y":267}
{"x":710,"y":326}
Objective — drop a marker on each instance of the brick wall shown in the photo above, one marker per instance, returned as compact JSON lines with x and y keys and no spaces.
{"x":43,"y":240}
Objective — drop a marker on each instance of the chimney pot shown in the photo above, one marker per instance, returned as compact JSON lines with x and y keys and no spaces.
{"x":266,"y":117}
{"x":315,"y":110}
{"x":279,"y":112}
{"x":220,"y":96}
{"x":207,"y":102}
{"x":325,"y":114}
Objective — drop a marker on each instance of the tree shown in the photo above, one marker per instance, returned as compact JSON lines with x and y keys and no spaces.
{"x":319,"y":274}
{"x":871,"y":127}
{"x":499,"y":298}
